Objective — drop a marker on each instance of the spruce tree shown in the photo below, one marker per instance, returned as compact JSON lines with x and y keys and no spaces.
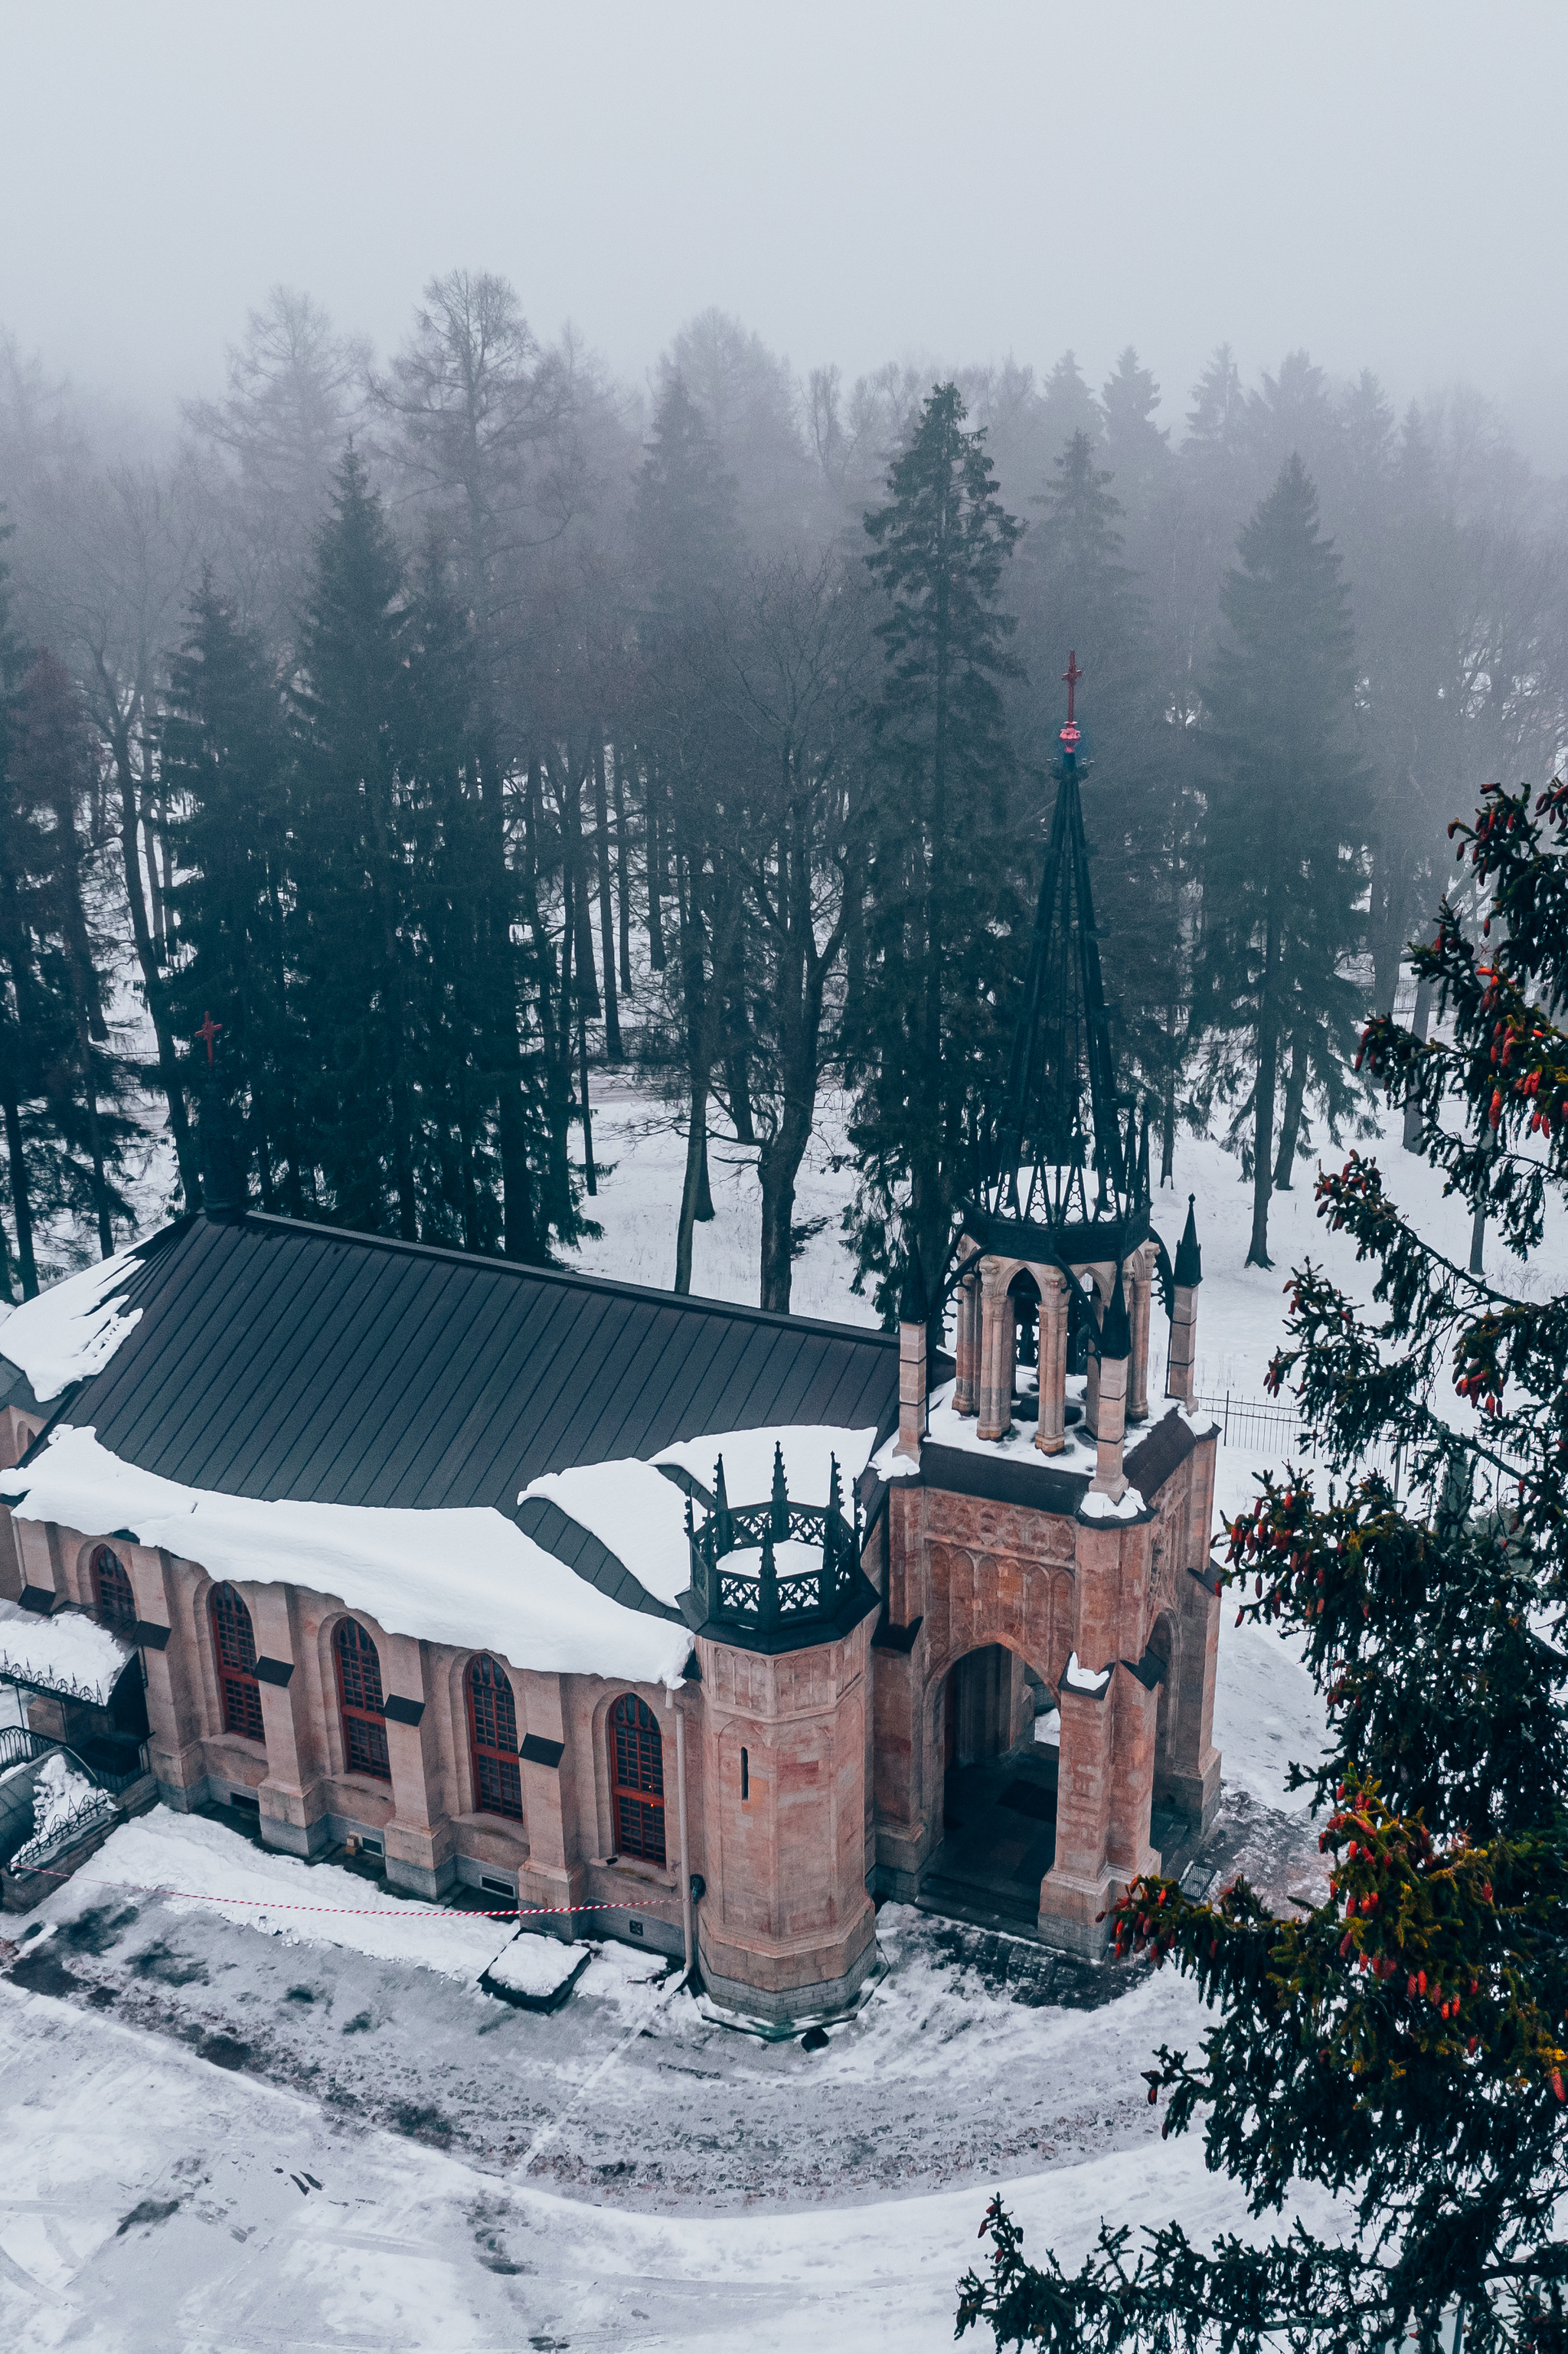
{"x":941,"y":896}
{"x":1402,"y":2043}
{"x":1281,"y":869}
{"x":226,"y":772}
{"x":689,"y":552}
{"x":86,"y":1079}
{"x":1137,"y":451}
{"x":354,"y":934}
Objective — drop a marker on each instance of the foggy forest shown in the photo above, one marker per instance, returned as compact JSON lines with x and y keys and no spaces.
{"x":453,"y":725}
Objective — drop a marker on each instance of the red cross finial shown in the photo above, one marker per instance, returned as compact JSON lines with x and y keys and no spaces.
{"x":1071,"y":675}
{"x":207,"y":1033}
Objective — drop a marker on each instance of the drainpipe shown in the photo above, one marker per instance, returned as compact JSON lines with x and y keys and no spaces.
{"x":686,"y":1851}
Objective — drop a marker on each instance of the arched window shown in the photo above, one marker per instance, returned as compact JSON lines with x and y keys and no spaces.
{"x":234,"y":1640}
{"x":112,"y":1591}
{"x":637,"y":1779}
{"x":359,"y":1701}
{"x":492,"y":1739}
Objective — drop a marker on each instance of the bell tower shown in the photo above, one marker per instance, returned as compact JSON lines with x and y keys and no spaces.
{"x":1091,"y":1568}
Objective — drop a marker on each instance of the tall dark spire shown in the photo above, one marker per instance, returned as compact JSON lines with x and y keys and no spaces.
{"x":225,"y":1190}
{"x":1066,"y":1152}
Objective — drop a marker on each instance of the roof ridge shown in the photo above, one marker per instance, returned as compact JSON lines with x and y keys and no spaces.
{"x":580,"y":1277}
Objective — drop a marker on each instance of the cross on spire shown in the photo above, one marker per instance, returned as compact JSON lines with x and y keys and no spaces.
{"x":207,"y":1033}
{"x":1071,"y":675}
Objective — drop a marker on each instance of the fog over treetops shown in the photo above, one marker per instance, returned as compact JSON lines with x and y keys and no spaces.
{"x":552,"y":694}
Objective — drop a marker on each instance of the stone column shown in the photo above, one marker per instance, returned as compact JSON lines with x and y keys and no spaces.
{"x":1188,"y":1274}
{"x":1078,"y":1888}
{"x":292,"y":1815}
{"x":1140,"y":1277}
{"x":553,"y":1873}
{"x":1109,"y":1478}
{"x":912,"y":1378}
{"x":418,"y":1849}
{"x":997,"y":1338}
{"x":907,"y":1816}
{"x":967,"y":1338}
{"x":1049,"y":1437}
{"x":172,"y":1596}
{"x":1184,"y":1345}
{"x":1192,"y":1777}
{"x":1097,"y":1308}
{"x":1135,"y":1713}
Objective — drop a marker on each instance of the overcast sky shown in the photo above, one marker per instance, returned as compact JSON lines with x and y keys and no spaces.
{"x":858,"y":181}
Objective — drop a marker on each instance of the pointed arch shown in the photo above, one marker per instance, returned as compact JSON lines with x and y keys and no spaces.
{"x":234,"y":1643}
{"x":112,"y":1595}
{"x":493,"y":1738}
{"x":637,"y":1779}
{"x":360,"y":1701}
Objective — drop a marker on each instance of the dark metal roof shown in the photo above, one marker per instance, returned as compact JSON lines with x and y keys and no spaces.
{"x":16,"y":1390}
{"x":274,"y":1359}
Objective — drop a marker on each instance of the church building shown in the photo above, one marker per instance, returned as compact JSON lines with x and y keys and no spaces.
{"x":679,"y":1621}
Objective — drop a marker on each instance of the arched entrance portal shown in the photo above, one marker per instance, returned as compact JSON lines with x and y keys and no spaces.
{"x":992,"y":1718}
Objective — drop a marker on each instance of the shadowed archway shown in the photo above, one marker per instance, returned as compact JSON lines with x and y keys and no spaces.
{"x":999,"y":1790}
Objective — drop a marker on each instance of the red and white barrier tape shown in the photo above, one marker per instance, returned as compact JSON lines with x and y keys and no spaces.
{"x":365,"y":1912}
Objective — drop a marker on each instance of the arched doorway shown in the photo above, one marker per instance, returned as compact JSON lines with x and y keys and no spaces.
{"x":998,"y":1781}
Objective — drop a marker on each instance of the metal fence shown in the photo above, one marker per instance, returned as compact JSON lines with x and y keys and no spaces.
{"x":1253,"y":1423}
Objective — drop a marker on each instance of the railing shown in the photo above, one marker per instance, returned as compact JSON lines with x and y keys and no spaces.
{"x":1251,"y":1422}
{"x":20,"y":1746}
{"x":759,"y":1598}
{"x":97,"y":1807}
{"x":1262,"y":1421}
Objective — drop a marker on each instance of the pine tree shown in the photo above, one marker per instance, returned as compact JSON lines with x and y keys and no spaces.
{"x":1137,"y":450}
{"x":941,"y":901}
{"x":689,"y":546}
{"x":1282,"y":872}
{"x":1068,"y":407}
{"x":1402,"y":2043}
{"x":86,"y":1079}
{"x":353,"y":937}
{"x":226,"y":771}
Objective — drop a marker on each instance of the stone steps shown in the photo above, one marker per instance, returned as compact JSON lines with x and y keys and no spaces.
{"x":981,"y":1908}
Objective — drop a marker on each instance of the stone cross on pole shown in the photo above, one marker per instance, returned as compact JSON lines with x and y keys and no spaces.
{"x":207,"y":1033}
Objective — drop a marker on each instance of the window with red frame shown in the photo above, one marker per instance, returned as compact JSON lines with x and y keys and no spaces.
{"x":359,"y":1697}
{"x":112,"y":1591}
{"x":492,"y":1739}
{"x":637,"y":1779}
{"x":234,"y":1640}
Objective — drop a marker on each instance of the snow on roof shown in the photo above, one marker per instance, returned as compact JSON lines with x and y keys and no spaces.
{"x":71,"y":1329}
{"x":749,"y":1459}
{"x":1098,"y":1506}
{"x":1085,"y":1679}
{"x":466,"y":1576}
{"x":640,"y":1515}
{"x":633,"y":1509}
{"x":70,"y":1654}
{"x":945,"y":1429}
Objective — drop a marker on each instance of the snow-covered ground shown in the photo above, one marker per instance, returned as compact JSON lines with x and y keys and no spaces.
{"x":251,"y":2127}
{"x":160,"y":2200}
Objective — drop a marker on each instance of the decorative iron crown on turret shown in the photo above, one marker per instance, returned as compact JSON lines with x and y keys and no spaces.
{"x":1065,"y":1172}
{"x":777,"y":1576}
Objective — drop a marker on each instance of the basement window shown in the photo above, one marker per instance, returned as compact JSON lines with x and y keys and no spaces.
{"x":497,"y":1887}
{"x":245,"y":1802}
{"x":371,"y":1846}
